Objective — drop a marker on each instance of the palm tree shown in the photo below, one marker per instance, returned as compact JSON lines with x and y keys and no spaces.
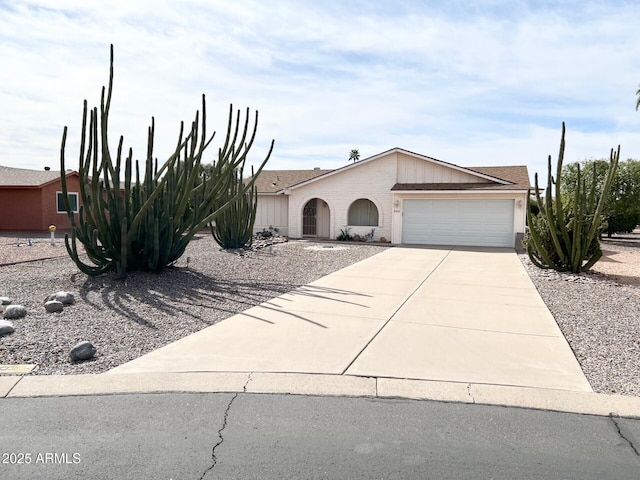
{"x":354,"y":155}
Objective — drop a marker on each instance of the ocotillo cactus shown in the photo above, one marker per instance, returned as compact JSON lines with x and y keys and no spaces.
{"x":146,"y":224}
{"x":567,"y":237}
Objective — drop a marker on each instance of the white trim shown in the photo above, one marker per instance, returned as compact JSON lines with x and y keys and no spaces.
{"x":69,"y":194}
{"x":453,"y":191}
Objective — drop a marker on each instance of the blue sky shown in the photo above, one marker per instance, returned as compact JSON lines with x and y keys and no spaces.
{"x":474,"y":83}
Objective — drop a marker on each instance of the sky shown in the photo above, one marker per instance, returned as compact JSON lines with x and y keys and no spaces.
{"x":474,"y":83}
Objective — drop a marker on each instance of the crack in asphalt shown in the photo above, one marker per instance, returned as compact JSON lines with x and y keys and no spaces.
{"x":621,"y":435}
{"x":214,"y":458}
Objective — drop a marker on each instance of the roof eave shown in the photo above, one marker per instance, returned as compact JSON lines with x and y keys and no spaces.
{"x":466,"y":190}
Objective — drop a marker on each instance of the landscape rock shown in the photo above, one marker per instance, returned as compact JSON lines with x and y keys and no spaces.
{"x":5,"y":300}
{"x":66,"y":298}
{"x":53,"y":306}
{"x":15,"y":311}
{"x":82,"y":351}
{"x":6,"y":327}
{"x":259,"y":242}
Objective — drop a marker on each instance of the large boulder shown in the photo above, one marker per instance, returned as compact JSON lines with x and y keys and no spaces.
{"x":5,"y":300}
{"x":6,"y":327}
{"x":15,"y":311}
{"x":82,"y":351}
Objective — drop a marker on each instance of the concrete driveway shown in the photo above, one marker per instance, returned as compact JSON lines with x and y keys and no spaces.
{"x":468,"y":315}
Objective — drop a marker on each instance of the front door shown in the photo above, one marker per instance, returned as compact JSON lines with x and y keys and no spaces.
{"x":309,"y":222}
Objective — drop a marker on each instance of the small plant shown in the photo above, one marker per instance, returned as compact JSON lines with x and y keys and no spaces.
{"x":344,"y":235}
{"x":369,"y":236}
{"x":566,"y":236}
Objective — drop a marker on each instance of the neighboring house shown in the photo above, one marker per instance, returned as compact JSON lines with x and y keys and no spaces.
{"x":403,"y":196}
{"x":31,"y":200}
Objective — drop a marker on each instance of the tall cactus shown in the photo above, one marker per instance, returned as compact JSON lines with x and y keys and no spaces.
{"x":234,"y":227}
{"x":146,"y":223}
{"x":567,"y":237}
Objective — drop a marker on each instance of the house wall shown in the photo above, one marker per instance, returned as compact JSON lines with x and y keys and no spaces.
{"x":417,"y":170}
{"x":519,"y":211}
{"x":50,"y":216}
{"x":372,"y":180}
{"x":33,"y":209}
{"x":272,"y":210}
{"x":20,"y":209}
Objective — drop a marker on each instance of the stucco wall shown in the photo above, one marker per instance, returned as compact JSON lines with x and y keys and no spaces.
{"x":372,"y":180}
{"x":20,"y":209}
{"x":49,"y":208}
{"x":33,"y":209}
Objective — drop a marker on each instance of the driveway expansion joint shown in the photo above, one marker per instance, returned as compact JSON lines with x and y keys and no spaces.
{"x":396,"y":312}
{"x":473,"y":400}
{"x":621,"y":435}
{"x":14,"y":386}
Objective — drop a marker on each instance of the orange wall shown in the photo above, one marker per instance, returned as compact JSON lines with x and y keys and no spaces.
{"x":49,"y":213}
{"x":33,"y":209}
{"x":20,"y":209}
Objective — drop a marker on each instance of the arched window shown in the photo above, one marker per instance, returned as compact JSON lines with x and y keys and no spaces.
{"x":363,"y":212}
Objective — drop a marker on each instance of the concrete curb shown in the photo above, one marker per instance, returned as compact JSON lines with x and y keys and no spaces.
{"x":320,"y":385}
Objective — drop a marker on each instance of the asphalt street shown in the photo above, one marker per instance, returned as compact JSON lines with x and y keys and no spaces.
{"x":225,"y":436}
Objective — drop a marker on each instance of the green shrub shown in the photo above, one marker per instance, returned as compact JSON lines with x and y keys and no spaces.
{"x":344,"y":235}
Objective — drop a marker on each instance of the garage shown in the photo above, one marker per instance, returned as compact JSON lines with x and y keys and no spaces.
{"x":476,"y":222}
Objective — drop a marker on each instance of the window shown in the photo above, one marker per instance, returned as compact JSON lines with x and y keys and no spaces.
{"x":73,"y":201}
{"x":363,"y":212}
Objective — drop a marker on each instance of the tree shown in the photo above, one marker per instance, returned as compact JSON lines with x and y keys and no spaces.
{"x":622,"y":206}
{"x":354,"y":155}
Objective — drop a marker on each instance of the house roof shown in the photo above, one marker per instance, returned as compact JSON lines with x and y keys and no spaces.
{"x":494,"y":178}
{"x":272,"y":181}
{"x":489,"y":174}
{"x":517,"y":176}
{"x":22,"y":177}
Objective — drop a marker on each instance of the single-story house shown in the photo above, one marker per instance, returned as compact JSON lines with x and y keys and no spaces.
{"x":405,"y":197}
{"x":31,"y":200}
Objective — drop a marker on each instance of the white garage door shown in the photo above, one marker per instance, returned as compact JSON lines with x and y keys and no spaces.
{"x":486,"y":223}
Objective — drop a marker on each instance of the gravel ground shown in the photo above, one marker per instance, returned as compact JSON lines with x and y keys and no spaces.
{"x":599,"y":313}
{"x":128,"y":318}
{"x":600,"y":318}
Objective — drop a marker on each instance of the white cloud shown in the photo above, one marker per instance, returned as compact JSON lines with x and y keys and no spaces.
{"x":473,"y":83}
